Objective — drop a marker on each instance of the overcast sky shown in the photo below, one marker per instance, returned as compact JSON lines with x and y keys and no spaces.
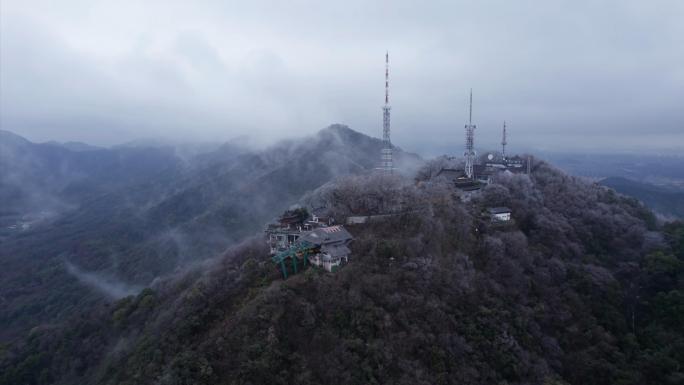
{"x":565,"y":75}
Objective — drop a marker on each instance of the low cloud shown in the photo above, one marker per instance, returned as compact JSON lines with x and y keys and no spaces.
{"x":105,"y":72}
{"x":106,"y":285}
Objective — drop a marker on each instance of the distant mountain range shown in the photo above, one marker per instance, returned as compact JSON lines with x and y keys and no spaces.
{"x":74,"y":221}
{"x":661,"y":170}
{"x":656,"y":180}
{"x":668,"y":201}
{"x":52,"y":176}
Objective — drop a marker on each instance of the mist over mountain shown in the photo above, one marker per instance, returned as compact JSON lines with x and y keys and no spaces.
{"x":153,"y":269}
{"x":583,"y":287}
{"x":54,"y":177}
{"x":129,"y":215}
{"x":176,"y":207}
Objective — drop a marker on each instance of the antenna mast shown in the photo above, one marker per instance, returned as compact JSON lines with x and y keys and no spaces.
{"x":503,"y":142}
{"x":386,"y":159}
{"x":470,"y":139}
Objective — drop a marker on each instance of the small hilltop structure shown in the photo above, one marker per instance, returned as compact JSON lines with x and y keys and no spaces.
{"x":298,"y":239}
{"x":333,"y":246}
{"x":499,"y":214}
{"x":284,"y":231}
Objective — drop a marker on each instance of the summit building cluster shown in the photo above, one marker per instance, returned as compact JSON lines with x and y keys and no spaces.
{"x":474,"y":172}
{"x":299,"y":238}
{"x":478,"y":172}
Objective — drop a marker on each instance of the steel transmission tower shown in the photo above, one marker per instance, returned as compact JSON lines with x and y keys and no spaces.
{"x":386,"y":159}
{"x":470,"y":139}
{"x":503,"y":142}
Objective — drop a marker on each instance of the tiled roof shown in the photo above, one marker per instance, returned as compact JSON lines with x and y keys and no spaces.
{"x":499,"y":210}
{"x":325,"y":235}
{"x":337,"y":250}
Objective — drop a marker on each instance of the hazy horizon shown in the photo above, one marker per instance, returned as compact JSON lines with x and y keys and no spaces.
{"x":566,"y":76}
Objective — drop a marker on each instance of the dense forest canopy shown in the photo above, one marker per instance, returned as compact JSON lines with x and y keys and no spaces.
{"x":584,"y":287}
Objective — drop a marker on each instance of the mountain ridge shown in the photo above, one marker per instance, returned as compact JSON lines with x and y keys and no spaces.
{"x":436,"y":295}
{"x":172,"y":216}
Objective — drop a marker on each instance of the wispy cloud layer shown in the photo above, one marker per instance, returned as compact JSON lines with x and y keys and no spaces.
{"x":608,"y":72}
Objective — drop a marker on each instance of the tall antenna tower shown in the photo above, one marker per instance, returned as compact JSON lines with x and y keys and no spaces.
{"x":503,"y":142}
{"x":386,"y":159}
{"x":470,"y":139}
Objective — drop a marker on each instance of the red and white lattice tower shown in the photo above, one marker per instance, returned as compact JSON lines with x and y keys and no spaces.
{"x":386,"y":158}
{"x":470,"y":142}
{"x":503,"y":142}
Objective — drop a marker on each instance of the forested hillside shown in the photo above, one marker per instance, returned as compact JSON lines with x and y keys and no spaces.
{"x":583,"y":288}
{"x":125,"y":225}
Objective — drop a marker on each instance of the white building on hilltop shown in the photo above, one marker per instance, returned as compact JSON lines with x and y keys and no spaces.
{"x":333,"y":242}
{"x":499,"y":214}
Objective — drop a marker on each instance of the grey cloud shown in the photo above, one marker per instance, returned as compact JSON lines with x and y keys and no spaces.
{"x":606,"y":72}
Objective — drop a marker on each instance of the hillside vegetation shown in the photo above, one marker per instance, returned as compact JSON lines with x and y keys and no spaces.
{"x":133,"y":215}
{"x":583,"y":288}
